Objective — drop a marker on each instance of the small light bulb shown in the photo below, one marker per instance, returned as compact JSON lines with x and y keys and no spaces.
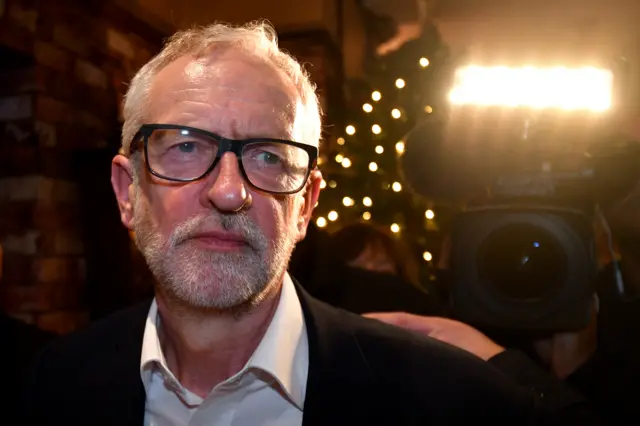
{"x":333,"y":215}
{"x":348,"y":201}
{"x":424,"y":62}
{"x":395,"y":113}
{"x":397,"y":186}
{"x":400,"y":83}
{"x":429,"y":214}
{"x":367,"y":107}
{"x":373,"y":166}
{"x":379,"y":149}
{"x":368,"y":202}
{"x":395,"y":228}
{"x":428,"y":109}
{"x":351,"y":130}
{"x":346,"y":163}
{"x":321,"y":222}
{"x":427,"y":256}
{"x":400,"y":147}
{"x":323,"y":184}
{"x":376,"y":129}
{"x":376,"y":96}
{"x":339,"y":158}
{"x":340,"y":141}
{"x":332,"y":184}
{"x":366,"y":215}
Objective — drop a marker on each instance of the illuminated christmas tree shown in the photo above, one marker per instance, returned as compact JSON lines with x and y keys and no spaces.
{"x":362,"y":180}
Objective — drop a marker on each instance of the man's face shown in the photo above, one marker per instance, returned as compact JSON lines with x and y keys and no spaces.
{"x":217,"y":242}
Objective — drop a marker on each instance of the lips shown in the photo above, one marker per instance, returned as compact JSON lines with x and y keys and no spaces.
{"x":220,"y":241}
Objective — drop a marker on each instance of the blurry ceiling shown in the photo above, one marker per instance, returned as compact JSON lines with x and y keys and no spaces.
{"x":588,"y":28}
{"x":495,"y":27}
{"x":284,"y":14}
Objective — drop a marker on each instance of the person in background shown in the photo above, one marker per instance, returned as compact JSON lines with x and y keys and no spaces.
{"x":601,"y":361}
{"x":370,"y":247}
{"x":370,"y":270}
{"x":20,"y":344}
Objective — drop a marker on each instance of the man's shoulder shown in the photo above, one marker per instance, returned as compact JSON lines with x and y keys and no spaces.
{"x":378,"y":341}
{"x":93,"y":370}
{"x":115,"y":330}
{"x":424,"y":368}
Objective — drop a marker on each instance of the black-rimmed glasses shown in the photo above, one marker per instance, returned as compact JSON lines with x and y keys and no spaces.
{"x":186,"y":154}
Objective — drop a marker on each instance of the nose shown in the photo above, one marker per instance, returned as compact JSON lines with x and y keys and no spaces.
{"x":228,"y":192}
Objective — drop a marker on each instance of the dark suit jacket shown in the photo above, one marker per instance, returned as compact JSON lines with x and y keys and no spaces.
{"x":361,"y":372}
{"x":20,"y":344}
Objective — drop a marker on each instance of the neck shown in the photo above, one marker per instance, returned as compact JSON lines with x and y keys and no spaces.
{"x":204,"y":348}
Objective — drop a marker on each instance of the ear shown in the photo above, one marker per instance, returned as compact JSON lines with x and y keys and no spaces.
{"x":310,"y":196}
{"x":122,"y":183}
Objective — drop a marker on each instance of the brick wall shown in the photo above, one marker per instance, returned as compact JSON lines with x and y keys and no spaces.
{"x":60,"y":98}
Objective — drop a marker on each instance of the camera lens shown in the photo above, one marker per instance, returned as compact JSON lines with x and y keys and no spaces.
{"x":522,"y":262}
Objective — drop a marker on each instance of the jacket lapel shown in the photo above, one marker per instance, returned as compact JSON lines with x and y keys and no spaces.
{"x":340,"y":385}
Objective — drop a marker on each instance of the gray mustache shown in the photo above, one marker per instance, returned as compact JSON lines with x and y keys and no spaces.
{"x":239,"y":224}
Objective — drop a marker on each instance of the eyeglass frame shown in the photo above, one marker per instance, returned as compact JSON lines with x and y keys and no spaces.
{"x":225,"y":145}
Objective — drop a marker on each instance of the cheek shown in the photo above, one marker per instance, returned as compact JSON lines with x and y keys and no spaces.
{"x":172,"y":205}
{"x":272,"y":215}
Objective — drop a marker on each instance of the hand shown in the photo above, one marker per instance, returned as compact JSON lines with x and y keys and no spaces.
{"x":564,"y":353}
{"x":449,"y":331}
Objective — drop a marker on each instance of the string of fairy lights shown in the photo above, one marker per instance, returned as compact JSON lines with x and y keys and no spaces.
{"x":323,"y":221}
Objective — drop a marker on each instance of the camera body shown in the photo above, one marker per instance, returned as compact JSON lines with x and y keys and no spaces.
{"x":523,"y":264}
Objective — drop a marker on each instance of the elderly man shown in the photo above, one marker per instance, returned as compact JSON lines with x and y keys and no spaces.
{"x":217,"y":177}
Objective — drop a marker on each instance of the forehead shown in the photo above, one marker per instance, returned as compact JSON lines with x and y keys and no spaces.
{"x":229,"y":92}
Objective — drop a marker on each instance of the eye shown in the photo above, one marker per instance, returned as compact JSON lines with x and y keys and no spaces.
{"x":268,"y":157}
{"x":186,"y":147}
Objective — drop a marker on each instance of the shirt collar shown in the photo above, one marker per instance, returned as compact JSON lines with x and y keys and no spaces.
{"x":283,"y":352}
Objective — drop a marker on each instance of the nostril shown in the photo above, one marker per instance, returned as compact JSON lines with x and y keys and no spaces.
{"x":247,"y":203}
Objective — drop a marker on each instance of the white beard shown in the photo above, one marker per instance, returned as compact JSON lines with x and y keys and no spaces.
{"x":207,"y":279}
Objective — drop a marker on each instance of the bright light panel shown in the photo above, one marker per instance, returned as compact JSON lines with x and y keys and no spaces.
{"x":565,"y":88}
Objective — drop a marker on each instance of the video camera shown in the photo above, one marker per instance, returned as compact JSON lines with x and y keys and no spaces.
{"x":529,"y":154}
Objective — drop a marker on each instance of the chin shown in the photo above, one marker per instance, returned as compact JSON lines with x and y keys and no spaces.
{"x":205,"y":279}
{"x":218,"y":291}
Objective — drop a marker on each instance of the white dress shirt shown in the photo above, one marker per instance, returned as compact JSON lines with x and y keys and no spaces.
{"x":269,"y":390}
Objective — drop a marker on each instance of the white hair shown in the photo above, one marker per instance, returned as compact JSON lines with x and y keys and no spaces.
{"x":258,"y":39}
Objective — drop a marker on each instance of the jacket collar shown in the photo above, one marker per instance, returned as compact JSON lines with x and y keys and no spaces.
{"x":340,"y":385}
